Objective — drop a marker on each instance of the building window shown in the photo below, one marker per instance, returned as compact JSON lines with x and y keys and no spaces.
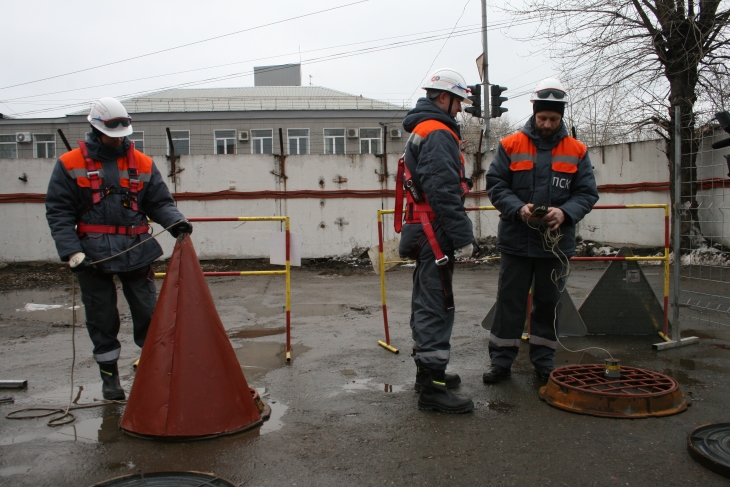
{"x":263,"y":141}
{"x":298,"y":141}
{"x":138,"y":139}
{"x":44,"y":145}
{"x":370,"y":141}
{"x":334,"y":141}
{"x":225,"y":141}
{"x":8,"y":147}
{"x":181,"y":142}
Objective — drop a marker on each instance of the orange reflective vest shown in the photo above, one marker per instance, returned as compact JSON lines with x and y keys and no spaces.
{"x":417,"y":208}
{"x":522,"y":153}
{"x":135,"y":169}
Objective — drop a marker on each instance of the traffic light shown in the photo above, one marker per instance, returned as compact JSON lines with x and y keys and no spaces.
{"x":497,"y":100}
{"x":476,"y":99}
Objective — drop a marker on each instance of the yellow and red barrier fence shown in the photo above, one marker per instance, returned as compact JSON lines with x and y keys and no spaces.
{"x":665,"y":258}
{"x":286,"y":272}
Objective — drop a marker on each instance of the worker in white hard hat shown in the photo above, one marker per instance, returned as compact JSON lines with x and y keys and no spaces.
{"x":541,"y":181}
{"x":435,"y":230}
{"x":97,"y":205}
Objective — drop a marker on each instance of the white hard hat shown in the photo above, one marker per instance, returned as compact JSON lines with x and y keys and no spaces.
{"x":450,"y":81}
{"x":550,"y":89}
{"x":110,"y":117}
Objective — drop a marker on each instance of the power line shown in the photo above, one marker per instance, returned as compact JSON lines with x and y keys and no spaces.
{"x":184,"y":45}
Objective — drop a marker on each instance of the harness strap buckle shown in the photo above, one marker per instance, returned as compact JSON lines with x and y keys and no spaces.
{"x":443,"y":260}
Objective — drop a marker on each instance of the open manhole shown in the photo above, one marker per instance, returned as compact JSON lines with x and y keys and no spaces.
{"x":637,"y":393}
{"x":167,"y":479}
{"x":709,"y":445}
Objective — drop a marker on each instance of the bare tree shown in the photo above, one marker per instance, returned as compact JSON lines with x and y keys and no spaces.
{"x":659,"y":54}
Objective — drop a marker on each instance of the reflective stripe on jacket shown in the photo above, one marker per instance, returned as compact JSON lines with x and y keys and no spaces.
{"x":75,"y":164}
{"x":552,"y":171}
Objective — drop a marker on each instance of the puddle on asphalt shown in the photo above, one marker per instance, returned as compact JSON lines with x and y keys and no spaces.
{"x":47,"y":306}
{"x":258,"y":358}
{"x":94,"y":430}
{"x":682,"y":377}
{"x":274,"y":423}
{"x":500,"y":406}
{"x":367,"y":385}
{"x":298,"y":310}
{"x":257,"y":333}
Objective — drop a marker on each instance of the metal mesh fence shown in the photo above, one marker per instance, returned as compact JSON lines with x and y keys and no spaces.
{"x":704,"y":284}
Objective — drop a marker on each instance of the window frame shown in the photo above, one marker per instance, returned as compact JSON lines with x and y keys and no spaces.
{"x":370,"y":139}
{"x":167,"y":142}
{"x":216,"y":139}
{"x":13,"y":142}
{"x":253,"y":141}
{"x":44,"y":142}
{"x":334,"y":138}
{"x":136,"y":140}
{"x":298,"y":137}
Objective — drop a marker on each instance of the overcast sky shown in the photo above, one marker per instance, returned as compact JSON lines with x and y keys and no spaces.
{"x":45,"y":39}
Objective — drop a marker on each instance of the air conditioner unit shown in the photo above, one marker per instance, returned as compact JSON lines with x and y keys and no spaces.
{"x":243,"y":136}
{"x":353,"y":133}
{"x":23,"y":137}
{"x":395,"y":133}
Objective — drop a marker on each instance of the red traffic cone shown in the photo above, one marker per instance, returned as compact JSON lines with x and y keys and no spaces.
{"x":189,"y":383}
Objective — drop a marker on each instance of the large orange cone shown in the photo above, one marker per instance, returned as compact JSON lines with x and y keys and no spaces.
{"x":189,"y":383}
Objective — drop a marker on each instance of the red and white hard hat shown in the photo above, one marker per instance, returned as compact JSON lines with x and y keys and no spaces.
{"x":450,"y":81}
{"x":110,"y":117}
{"x":550,"y":89}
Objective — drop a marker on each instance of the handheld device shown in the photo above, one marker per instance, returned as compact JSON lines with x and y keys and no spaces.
{"x":538,"y":211}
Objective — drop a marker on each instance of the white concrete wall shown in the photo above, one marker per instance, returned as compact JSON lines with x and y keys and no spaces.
{"x":331,"y":226}
{"x":714,"y":203}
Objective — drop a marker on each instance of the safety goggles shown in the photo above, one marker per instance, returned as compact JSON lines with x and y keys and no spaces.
{"x":557,"y":94}
{"x":116,"y":122}
{"x":462,"y":88}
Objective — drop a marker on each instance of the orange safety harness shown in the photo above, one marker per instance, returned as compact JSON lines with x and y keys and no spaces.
{"x":98,"y":194}
{"x":417,"y":208}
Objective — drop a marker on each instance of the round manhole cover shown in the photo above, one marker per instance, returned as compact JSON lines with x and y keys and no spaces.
{"x":167,"y":479}
{"x":638,"y":393}
{"x":709,"y":445}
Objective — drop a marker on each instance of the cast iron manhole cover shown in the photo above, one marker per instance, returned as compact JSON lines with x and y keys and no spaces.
{"x":709,"y":445}
{"x":167,"y":479}
{"x":638,"y":393}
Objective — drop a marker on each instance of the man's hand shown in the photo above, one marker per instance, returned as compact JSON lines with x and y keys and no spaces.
{"x":78,"y":262}
{"x":465,"y":251}
{"x":182,"y":227}
{"x":526,"y":212}
{"x":554,"y":218}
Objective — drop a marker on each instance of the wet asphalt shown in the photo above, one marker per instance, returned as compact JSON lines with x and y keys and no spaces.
{"x":344,"y":412}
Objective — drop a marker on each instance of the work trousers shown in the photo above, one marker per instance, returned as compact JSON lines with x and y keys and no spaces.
{"x":516,"y":276}
{"x":432,"y":311}
{"x":99,"y":295}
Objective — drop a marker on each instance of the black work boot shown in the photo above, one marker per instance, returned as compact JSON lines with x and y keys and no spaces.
{"x":495,"y":373}
{"x":111,"y":388}
{"x":451,"y":380}
{"x":543,"y":373}
{"x":435,"y":396}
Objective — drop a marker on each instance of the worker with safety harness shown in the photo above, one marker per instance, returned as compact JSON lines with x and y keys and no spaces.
{"x":541,"y":181}
{"x":436,"y":231}
{"x":97,"y":205}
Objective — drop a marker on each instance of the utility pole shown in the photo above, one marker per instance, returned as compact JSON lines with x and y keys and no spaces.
{"x":485,"y":78}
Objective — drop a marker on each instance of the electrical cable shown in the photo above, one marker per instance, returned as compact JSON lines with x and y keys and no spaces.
{"x":184,"y":45}
{"x":66,"y":417}
{"x":552,"y":239}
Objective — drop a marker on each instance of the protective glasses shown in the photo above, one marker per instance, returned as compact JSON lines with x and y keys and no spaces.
{"x":557,"y":94}
{"x":116,"y":122}
{"x":462,"y":88}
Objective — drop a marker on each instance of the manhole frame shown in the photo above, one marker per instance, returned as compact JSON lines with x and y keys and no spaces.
{"x":152,"y":475}
{"x":658,"y":394}
{"x":701,"y":457}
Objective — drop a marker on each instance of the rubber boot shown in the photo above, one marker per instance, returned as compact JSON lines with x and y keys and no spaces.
{"x":111,"y":388}
{"x":435,"y":396}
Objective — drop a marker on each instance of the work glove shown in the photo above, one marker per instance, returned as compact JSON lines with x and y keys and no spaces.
{"x":464,"y":251}
{"x":79,"y":262}
{"x":182,"y":227}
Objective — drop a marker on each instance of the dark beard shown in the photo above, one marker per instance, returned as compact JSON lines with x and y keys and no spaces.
{"x":547,"y":132}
